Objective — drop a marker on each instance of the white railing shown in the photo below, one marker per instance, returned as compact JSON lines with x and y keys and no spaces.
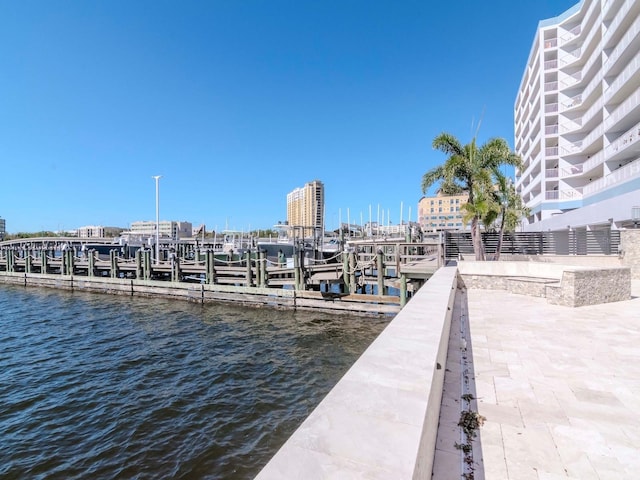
{"x":628,"y":138}
{"x":567,"y":125}
{"x":550,"y":86}
{"x":631,"y":68}
{"x":594,"y":161}
{"x":571,"y":34}
{"x":570,"y":80}
{"x":572,"y":102}
{"x":568,"y":149}
{"x":551,"y":129}
{"x":549,"y":64}
{"x":594,"y":135}
{"x":617,"y":177}
{"x":570,"y":57}
{"x":632,"y":32}
{"x":623,"y":109}
{"x":551,"y":108}
{"x":551,"y":151}
{"x":617,"y":20}
{"x":595,"y":82}
{"x":550,"y":43}
{"x":563,"y":194}
{"x":572,"y":170}
{"x":596,"y":107}
{"x":529,"y":164}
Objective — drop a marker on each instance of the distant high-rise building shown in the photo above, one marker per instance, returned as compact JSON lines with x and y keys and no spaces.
{"x":441,"y":212}
{"x":305,"y":208}
{"x":171,"y":229}
{"x":577,"y":119}
{"x":91,"y":231}
{"x":3,"y":228}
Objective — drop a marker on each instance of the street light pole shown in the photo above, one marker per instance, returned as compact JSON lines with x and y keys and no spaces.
{"x":157,"y":178}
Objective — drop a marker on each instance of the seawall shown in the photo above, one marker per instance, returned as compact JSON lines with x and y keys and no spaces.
{"x":381,"y":419}
{"x":367,"y":305}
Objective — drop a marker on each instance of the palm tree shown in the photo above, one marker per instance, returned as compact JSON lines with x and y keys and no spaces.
{"x":469,"y":168}
{"x":511,"y":207}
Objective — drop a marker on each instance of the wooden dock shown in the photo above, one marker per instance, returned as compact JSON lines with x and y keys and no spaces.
{"x":371,"y":278}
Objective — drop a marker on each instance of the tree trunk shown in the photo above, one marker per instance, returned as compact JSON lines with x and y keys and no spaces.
{"x":476,"y":239}
{"x":496,"y":257}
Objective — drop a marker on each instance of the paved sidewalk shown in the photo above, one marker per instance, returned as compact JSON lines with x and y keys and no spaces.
{"x":559,"y":386}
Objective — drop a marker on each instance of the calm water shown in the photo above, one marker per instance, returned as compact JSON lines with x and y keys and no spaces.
{"x":98,"y":386}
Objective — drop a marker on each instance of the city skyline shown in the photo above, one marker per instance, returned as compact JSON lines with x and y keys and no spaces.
{"x":235,"y":105}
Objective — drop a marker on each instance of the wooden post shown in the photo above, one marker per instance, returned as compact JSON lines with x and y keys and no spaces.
{"x":64,"y":259}
{"x":345,"y":271}
{"x":43,"y":261}
{"x":92,"y":263}
{"x":147,"y":264}
{"x":380,"y":267}
{"x":249,"y":276}
{"x":139,"y":270}
{"x":27,"y":263}
{"x":352,"y":273}
{"x":263,"y":269}
{"x":211,"y":267}
{"x":10,"y":261}
{"x":296,"y":270}
{"x":114,"y":263}
{"x":403,"y":290}
{"x":175,"y":269}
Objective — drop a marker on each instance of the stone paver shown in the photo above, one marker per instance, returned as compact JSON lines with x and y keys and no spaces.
{"x":559,"y":386}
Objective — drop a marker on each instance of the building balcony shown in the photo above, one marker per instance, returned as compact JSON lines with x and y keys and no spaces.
{"x":569,"y":194}
{"x":631,"y":171}
{"x":551,"y":173}
{"x":550,"y":43}
{"x":571,"y":80}
{"x":551,"y":86}
{"x":570,"y":148}
{"x":572,"y":171}
{"x":621,"y":145}
{"x":551,"y":64}
{"x":624,"y":42}
{"x":570,"y":35}
{"x":617,"y":21}
{"x":629,"y":71}
{"x":619,"y":115}
{"x":594,"y":161}
{"x":570,"y":57}
{"x":551,"y":108}
{"x":572,"y":102}
{"x":568,"y":126}
{"x":551,"y":151}
{"x":551,"y":129}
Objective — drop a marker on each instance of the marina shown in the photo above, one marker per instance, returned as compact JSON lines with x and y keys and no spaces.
{"x":366,"y":277}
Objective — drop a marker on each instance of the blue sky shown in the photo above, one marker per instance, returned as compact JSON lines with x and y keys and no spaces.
{"x":237,"y":102}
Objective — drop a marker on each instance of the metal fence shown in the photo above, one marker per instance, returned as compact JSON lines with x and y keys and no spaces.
{"x":574,"y":242}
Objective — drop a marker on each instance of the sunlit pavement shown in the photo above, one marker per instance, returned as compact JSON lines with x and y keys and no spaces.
{"x":559,"y":386}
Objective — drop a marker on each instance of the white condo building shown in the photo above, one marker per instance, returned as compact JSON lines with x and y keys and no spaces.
{"x":577,"y":119}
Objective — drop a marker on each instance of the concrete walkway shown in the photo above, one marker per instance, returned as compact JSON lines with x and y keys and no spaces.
{"x":559,"y":386}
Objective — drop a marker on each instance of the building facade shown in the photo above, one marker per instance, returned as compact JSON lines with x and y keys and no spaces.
{"x":168,"y":229}
{"x":577,"y":119}
{"x":305,"y":208}
{"x":3,"y":229}
{"x":91,"y":231}
{"x":441,"y":212}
